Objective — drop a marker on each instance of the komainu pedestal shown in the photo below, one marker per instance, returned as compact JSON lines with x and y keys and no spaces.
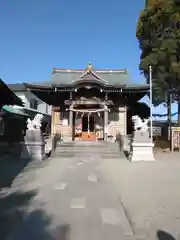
{"x":33,"y":146}
{"x":142,"y":147}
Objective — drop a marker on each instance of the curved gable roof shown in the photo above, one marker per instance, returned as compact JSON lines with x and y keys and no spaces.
{"x":109,"y":77}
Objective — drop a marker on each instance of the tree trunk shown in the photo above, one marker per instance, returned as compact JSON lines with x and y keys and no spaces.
{"x":179,"y":113}
{"x":169,"y":117}
{"x":169,"y":103}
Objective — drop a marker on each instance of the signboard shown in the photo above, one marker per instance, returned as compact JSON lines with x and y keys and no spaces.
{"x":175,"y":138}
{"x":175,"y":128}
{"x":157,"y":131}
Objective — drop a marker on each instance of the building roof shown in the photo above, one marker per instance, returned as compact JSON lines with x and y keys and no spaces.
{"x":63,"y":81}
{"x":70,"y":76}
{"x":67,"y":78}
{"x":13,"y":110}
{"x":107,"y":79}
{"x":17,"y":87}
{"x":7,"y":96}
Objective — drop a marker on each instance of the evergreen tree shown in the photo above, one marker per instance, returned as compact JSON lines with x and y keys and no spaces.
{"x":158,"y":32}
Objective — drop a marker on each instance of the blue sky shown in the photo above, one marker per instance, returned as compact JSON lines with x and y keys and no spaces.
{"x":38,"y":35}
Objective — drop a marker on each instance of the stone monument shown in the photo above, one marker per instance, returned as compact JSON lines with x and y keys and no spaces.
{"x":34,"y":144}
{"x":142,"y":145}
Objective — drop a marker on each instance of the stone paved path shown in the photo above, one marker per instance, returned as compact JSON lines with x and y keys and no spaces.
{"x":89,"y":191}
{"x":73,"y":193}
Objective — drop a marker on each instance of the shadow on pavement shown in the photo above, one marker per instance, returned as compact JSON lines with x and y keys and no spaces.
{"x":37,"y":226}
{"x":13,"y":208}
{"x":9,"y":169}
{"x":17,"y":223}
{"x":162,"y":235}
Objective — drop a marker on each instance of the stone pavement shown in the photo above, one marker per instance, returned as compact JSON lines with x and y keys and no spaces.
{"x":150,"y":193}
{"x":90,"y":191}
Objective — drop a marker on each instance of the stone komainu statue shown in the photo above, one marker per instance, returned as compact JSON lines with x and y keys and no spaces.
{"x":35,"y":123}
{"x":139,"y":124}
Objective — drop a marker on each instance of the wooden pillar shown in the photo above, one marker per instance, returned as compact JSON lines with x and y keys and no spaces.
{"x":53,"y":128}
{"x":105,"y":123}
{"x":71,"y":112}
{"x":71,"y":120}
{"x":55,"y":120}
{"x":125,"y":121}
{"x":52,"y":121}
{"x":70,"y":117}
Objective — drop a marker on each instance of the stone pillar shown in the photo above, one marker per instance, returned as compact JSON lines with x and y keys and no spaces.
{"x":105,"y":123}
{"x":142,"y":147}
{"x":33,"y":147}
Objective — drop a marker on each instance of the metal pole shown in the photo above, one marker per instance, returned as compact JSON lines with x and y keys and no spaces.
{"x":151,"y":105}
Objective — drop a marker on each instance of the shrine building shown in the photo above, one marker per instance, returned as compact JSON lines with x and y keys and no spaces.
{"x":90,"y":104}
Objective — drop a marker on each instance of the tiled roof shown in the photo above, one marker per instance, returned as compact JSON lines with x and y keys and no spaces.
{"x":17,"y":87}
{"x":112,"y":77}
{"x":116,"y":78}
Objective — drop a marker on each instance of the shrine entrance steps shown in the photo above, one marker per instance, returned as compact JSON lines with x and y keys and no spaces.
{"x":95,"y":149}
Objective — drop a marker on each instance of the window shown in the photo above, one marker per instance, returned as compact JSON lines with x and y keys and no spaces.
{"x":33,"y":104}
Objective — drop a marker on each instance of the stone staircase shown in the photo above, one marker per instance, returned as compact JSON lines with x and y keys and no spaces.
{"x":98,"y":149}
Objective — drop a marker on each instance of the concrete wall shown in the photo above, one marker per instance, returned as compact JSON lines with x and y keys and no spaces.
{"x":117,"y":122}
{"x":26,"y":96}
